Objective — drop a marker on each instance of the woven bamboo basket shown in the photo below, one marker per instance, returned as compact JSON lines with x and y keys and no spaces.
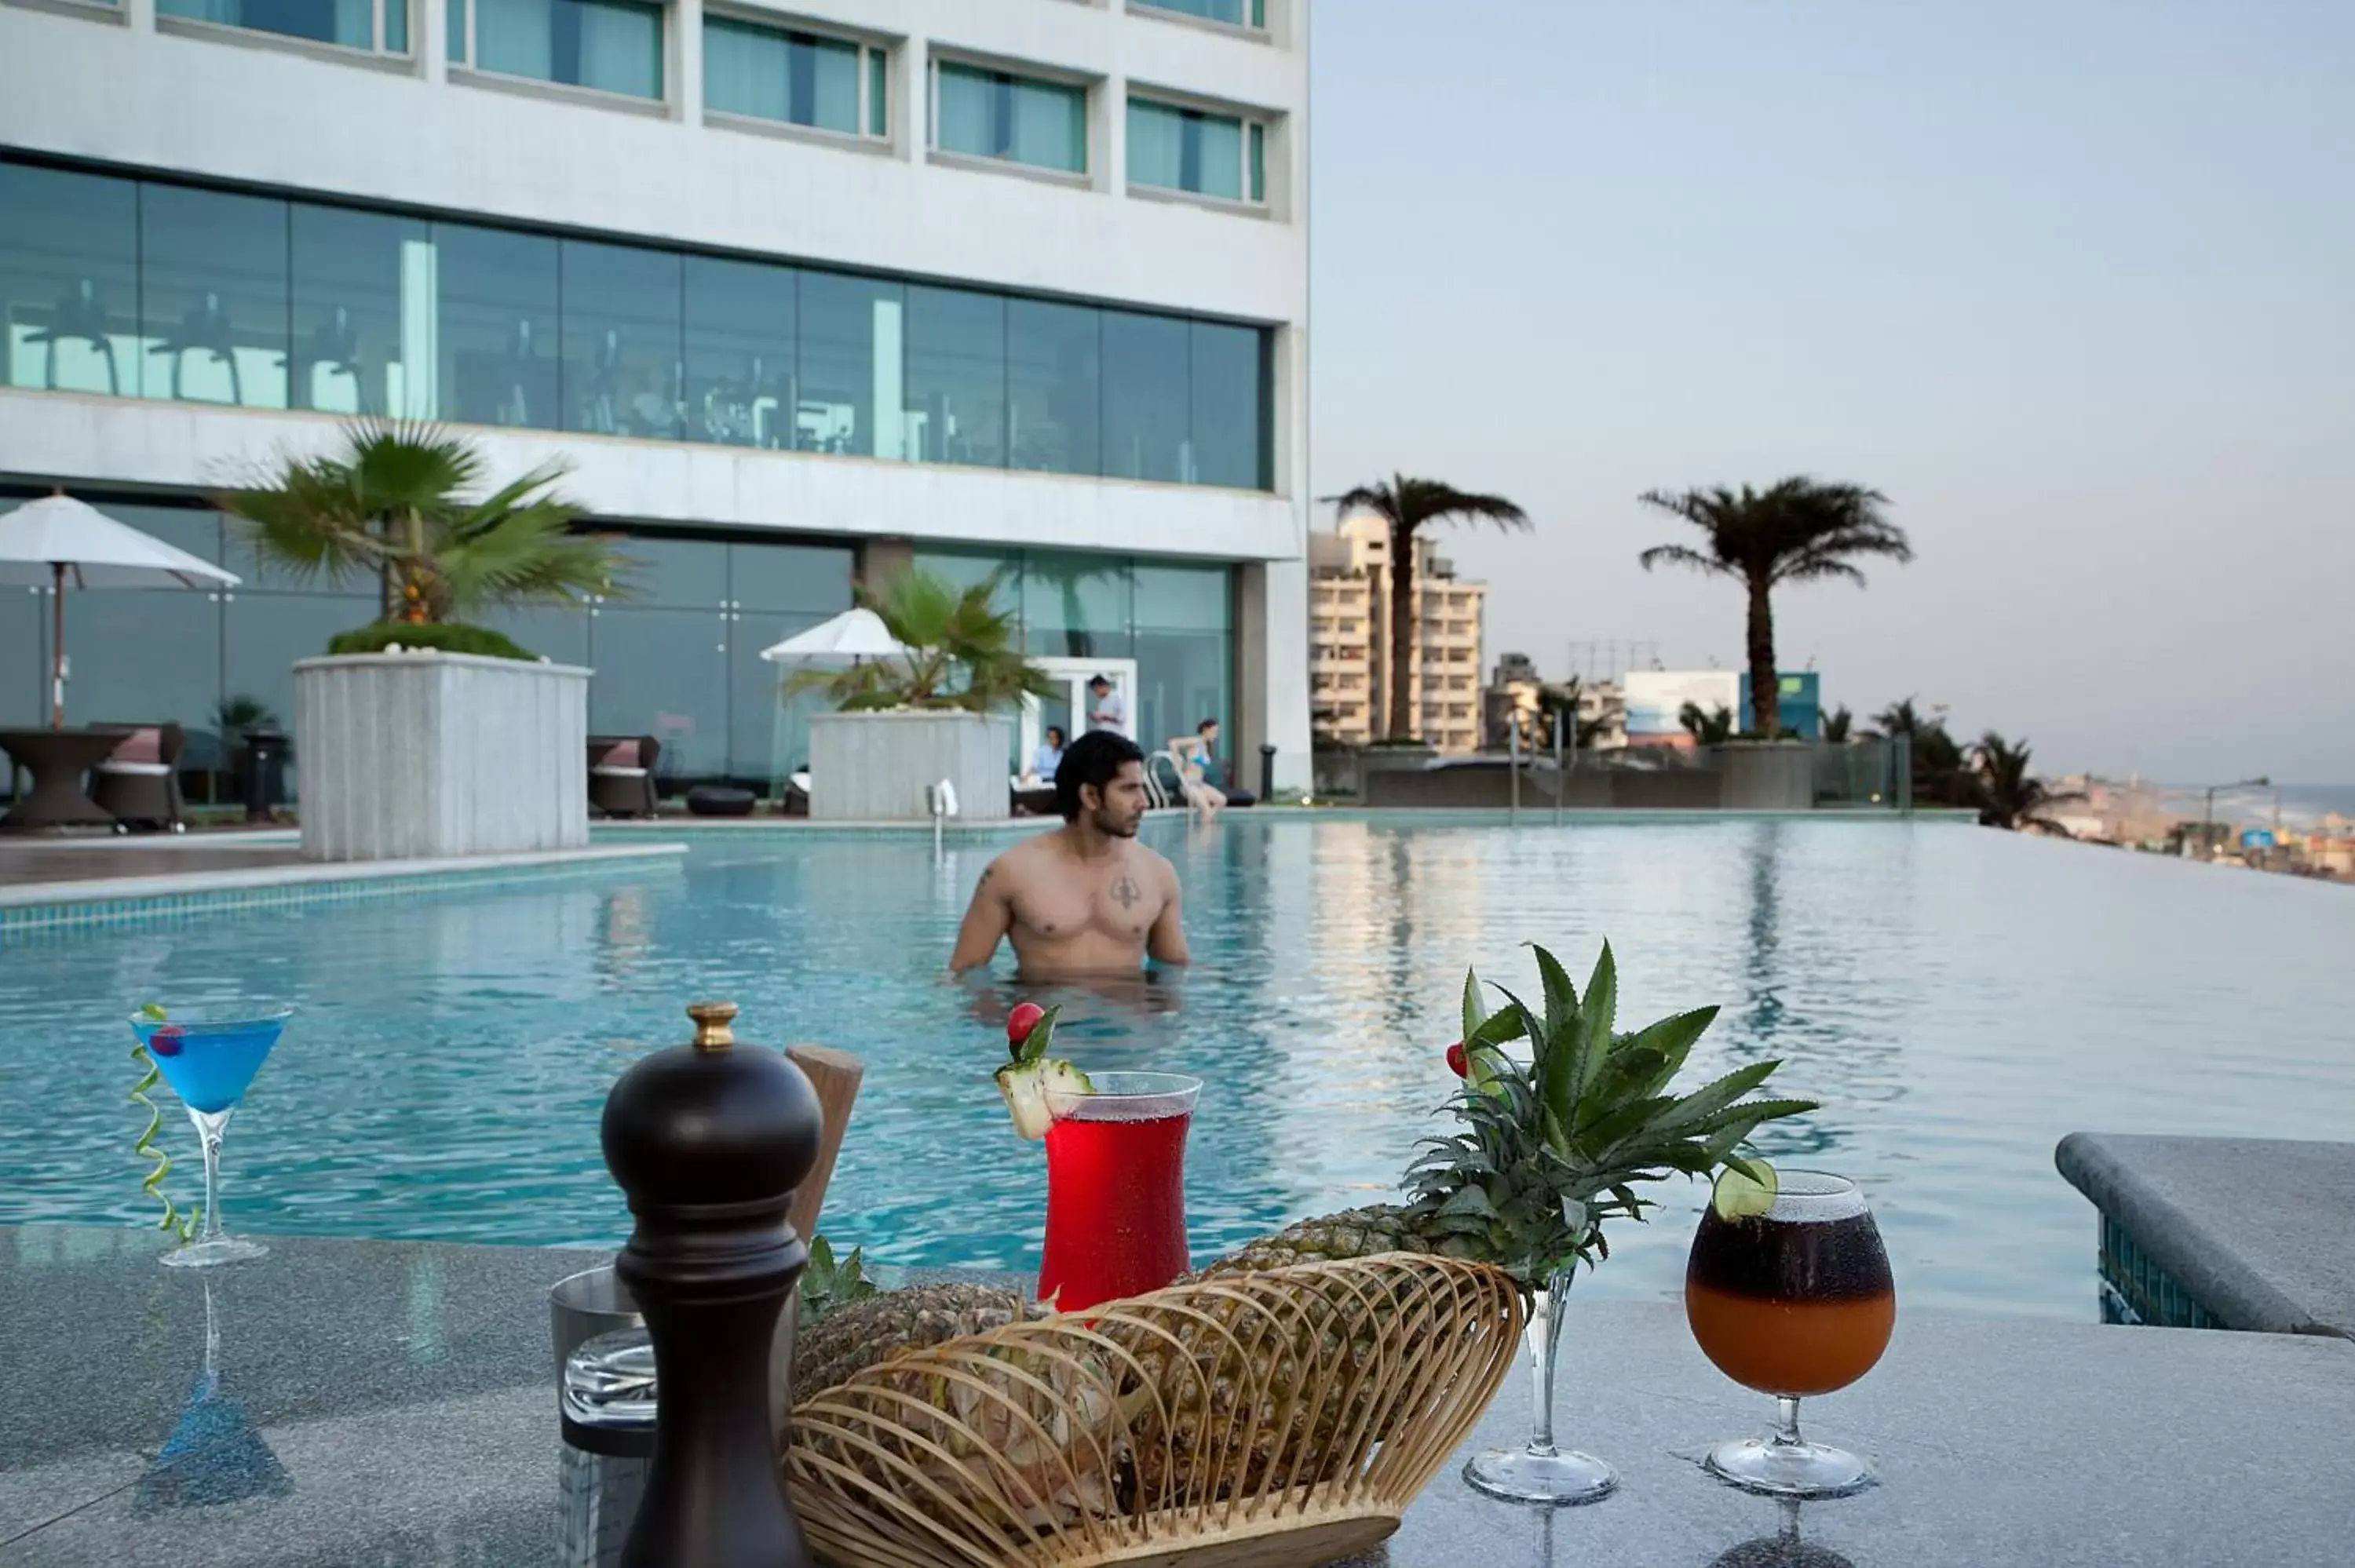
{"x":1247,"y":1422}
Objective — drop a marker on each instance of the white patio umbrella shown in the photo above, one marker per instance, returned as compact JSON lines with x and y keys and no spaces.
{"x":57,"y":537}
{"x":853,"y":635}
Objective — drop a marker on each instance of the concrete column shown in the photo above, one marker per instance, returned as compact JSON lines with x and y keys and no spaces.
{"x":1109,"y":140}
{"x":687,"y":51}
{"x":139,"y":16}
{"x":1272,"y":672}
{"x":428,"y":25}
{"x":880,"y":560}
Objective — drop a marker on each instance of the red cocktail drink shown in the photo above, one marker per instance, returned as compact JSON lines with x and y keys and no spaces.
{"x":1116,"y":1188}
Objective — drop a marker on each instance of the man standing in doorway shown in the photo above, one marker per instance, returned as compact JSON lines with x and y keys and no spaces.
{"x":1107,"y":709}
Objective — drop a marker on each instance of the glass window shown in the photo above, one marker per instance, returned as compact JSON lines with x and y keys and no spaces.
{"x":613,"y":46}
{"x":779,"y":590}
{"x":620,"y":340}
{"x":963,"y":568}
{"x":739,"y":353}
{"x":212,"y":296}
{"x":852,"y":367}
{"x":1184,"y":641}
{"x":23,"y":659}
{"x":1258,"y":161}
{"x":677,"y":574}
{"x":1228,"y":424}
{"x":1144,"y":396}
{"x":1054,"y":387}
{"x":69,"y":281}
{"x":664,"y":673}
{"x":1075,"y":605}
{"x":263,"y":633}
{"x":956,"y":377}
{"x":1185,"y":150}
{"x":995,"y":114}
{"x":364,"y":312}
{"x":496,"y":334}
{"x":1233,"y":13}
{"x":797,"y":579}
{"x":350,"y":23}
{"x":800,"y":79}
{"x":458,"y":32}
{"x":878,"y":92}
{"x":555,"y":632}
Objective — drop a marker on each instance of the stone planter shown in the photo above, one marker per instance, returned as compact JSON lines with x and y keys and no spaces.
{"x":421,"y":756}
{"x":876,"y":767}
{"x":1768,"y":775}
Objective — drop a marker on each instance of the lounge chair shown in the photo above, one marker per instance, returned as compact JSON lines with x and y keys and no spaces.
{"x":622,"y":774}
{"x":792,"y":800}
{"x":1032,"y":798}
{"x":139,"y":782}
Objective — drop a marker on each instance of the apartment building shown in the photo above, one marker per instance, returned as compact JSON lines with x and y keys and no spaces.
{"x":803,"y":291}
{"x":1349,"y":641}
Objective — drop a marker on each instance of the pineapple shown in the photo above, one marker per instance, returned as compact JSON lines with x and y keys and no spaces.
{"x":1032,"y":1081}
{"x":874,"y":1329}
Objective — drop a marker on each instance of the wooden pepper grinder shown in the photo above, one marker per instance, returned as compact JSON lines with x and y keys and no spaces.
{"x":709,"y":1142}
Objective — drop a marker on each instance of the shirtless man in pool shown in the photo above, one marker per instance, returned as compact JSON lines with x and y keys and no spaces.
{"x":1086,"y":898}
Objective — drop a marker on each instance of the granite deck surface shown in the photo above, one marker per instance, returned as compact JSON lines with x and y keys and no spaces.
{"x":392,"y":1404}
{"x":2260,"y":1230}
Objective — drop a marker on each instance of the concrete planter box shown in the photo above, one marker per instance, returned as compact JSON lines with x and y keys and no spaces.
{"x":876,"y":767}
{"x":1768,"y":775}
{"x":424,"y":756}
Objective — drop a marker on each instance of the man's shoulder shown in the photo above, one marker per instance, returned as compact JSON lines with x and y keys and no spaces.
{"x":1151,"y":859}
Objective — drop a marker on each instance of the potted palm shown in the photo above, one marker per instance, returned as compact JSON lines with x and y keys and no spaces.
{"x":426,"y":736}
{"x":935,"y":712}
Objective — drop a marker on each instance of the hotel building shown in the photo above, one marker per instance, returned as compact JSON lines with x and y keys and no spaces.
{"x":802,"y":292}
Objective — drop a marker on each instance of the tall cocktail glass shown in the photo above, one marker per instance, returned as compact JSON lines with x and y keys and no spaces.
{"x":1794,"y":1301}
{"x":210,"y":1061}
{"x":1116,"y":1188}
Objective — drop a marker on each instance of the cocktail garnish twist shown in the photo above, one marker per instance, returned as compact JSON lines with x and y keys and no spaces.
{"x":166,"y":1042}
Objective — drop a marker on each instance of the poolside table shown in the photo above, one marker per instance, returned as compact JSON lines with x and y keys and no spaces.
{"x":392,"y":1404}
{"x":56,"y":758}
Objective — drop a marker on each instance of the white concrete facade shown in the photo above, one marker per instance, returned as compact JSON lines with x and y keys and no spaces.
{"x":119,"y":86}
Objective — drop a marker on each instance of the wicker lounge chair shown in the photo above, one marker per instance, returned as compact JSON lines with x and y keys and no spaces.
{"x":622,"y":774}
{"x":139,"y":782}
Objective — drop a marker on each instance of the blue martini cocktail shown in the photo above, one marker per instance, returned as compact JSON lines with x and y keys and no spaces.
{"x":209,"y":1062}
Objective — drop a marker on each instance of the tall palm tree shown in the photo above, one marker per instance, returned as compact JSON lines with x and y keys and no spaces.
{"x":1836,"y":726}
{"x":1795,"y":531}
{"x":1405,"y":506}
{"x":397,"y":503}
{"x":2008,"y":795}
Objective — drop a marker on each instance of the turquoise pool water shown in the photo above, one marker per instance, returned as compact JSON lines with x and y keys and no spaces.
{"x":1958,"y":1000}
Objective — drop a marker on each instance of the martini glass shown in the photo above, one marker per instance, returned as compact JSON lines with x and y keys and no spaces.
{"x":209,"y":1062}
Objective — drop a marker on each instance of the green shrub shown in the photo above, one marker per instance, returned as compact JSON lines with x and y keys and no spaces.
{"x":447,"y":637}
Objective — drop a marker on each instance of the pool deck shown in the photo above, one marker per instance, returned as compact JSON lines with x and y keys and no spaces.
{"x":394,"y":1404}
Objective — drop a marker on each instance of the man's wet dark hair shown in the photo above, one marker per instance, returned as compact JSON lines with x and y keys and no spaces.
{"x":1096,"y":757}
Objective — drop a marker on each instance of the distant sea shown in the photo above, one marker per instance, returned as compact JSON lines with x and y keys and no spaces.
{"x":2312,"y":802}
{"x":2302,"y":805}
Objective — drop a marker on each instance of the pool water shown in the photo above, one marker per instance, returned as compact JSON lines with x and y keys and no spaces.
{"x":1958,"y":1000}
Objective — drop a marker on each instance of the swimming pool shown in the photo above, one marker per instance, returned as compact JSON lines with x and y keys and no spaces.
{"x":1958,"y":999}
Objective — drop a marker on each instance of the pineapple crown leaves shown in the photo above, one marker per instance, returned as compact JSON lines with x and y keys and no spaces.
{"x":827,"y":1286}
{"x":1545,"y":1153}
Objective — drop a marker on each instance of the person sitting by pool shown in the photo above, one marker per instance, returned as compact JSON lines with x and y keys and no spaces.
{"x":1050,"y":755}
{"x":1086,"y":898}
{"x":1193,"y":754}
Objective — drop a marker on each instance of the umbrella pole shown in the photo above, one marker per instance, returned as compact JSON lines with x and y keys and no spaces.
{"x":57,"y":645}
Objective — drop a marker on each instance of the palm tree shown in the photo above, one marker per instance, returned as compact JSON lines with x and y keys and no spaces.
{"x":1837,"y":725}
{"x":961,"y":652}
{"x":2009,"y":796}
{"x":1404,"y":506}
{"x":1562,"y":698}
{"x":1938,"y":761}
{"x":1795,"y":531}
{"x":1707,"y":726}
{"x":394,"y":504}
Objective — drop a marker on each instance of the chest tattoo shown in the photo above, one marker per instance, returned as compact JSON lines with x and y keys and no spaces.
{"x":1124,"y":892}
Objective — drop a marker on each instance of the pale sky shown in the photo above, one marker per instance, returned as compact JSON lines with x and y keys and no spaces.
{"x":2072,"y":280}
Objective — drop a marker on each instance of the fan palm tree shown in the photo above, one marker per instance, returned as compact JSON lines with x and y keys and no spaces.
{"x":1562,"y":698}
{"x":1795,"y":531}
{"x":2008,"y":795}
{"x":1939,"y":773}
{"x":961,"y":652}
{"x":395,"y":502}
{"x":1837,"y":725}
{"x":1404,"y":506}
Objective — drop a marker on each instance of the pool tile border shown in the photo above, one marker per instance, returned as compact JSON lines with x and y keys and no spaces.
{"x":78,"y":906}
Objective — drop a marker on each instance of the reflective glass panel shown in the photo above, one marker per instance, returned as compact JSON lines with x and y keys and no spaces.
{"x":457,"y":26}
{"x":262,"y":636}
{"x":1234,"y":13}
{"x":879,"y":93}
{"x":212,"y":296}
{"x":664,"y":673}
{"x":1075,"y":605}
{"x":554,"y":631}
{"x":497,"y":330}
{"x":362,"y":286}
{"x":679,"y":574}
{"x":69,"y":281}
{"x":796,"y":579}
{"x":1054,"y":387}
{"x":781,"y":589}
{"x":796,"y":78}
{"x":992,"y":114}
{"x":1228,"y":426}
{"x":1185,"y":150}
{"x":351,"y":23}
{"x":610,"y":45}
{"x":1185,"y":643}
{"x":956,"y":377}
{"x":963,"y":568}
{"x":23,"y":659}
{"x":620,"y":340}
{"x":852,"y":367}
{"x":739,"y":353}
{"x":1144,"y":396}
